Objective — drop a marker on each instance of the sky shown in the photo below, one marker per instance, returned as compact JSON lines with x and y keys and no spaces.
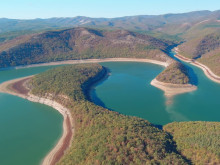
{"x":30,"y":9}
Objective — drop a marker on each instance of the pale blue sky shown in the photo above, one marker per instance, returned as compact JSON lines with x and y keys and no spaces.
{"x":29,"y":9}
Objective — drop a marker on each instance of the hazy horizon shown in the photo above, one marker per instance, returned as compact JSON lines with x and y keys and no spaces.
{"x":110,"y":17}
{"x":44,"y":9}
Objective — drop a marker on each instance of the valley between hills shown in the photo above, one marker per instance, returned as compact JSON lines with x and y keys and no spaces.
{"x":94,"y":134}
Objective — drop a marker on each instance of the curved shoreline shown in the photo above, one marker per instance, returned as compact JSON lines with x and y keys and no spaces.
{"x":51,"y":156}
{"x":5,"y":87}
{"x":14,"y":87}
{"x":208,"y":72}
{"x":173,"y":89}
{"x":165,"y":64}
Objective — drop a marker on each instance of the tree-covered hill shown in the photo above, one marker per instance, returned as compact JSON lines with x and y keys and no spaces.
{"x":176,"y":73}
{"x":103,"y":136}
{"x":81,"y":43}
{"x":198,"y":141}
{"x":107,"y":137}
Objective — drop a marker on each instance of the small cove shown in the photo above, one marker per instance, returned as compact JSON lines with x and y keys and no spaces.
{"x":128,"y":91}
{"x":28,"y":130}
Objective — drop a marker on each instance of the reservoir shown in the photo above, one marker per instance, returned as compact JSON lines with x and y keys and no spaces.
{"x":30,"y":130}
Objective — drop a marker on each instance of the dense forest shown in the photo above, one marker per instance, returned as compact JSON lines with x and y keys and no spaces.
{"x":103,"y":136}
{"x":198,"y":141}
{"x":107,"y":137}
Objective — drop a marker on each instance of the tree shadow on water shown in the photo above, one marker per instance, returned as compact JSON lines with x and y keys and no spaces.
{"x":158,"y":126}
{"x":193,"y":79}
{"x":95,"y":99}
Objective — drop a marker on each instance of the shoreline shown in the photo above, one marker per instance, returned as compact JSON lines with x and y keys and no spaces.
{"x":99,"y":78}
{"x":15,"y":87}
{"x":171,"y":90}
{"x":165,"y":64}
{"x":5,"y":87}
{"x":208,"y":72}
{"x":50,"y":158}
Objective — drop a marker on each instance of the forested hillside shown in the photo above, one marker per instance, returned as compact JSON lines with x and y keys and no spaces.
{"x":81,"y":43}
{"x":176,"y":73}
{"x":25,"y":42}
{"x":103,"y":136}
{"x":205,"y":49}
{"x":198,"y":141}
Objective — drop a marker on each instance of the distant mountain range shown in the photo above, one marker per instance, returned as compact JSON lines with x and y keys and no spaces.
{"x":168,"y":23}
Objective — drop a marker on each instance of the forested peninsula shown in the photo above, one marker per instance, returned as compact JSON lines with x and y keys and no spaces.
{"x":106,"y":136}
{"x":101,"y":135}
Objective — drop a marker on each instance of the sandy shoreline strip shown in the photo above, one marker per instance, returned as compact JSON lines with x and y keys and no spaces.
{"x":205,"y":69}
{"x":6,"y":86}
{"x":173,"y":89}
{"x":170,"y":90}
{"x":16,"y":87}
{"x":165,"y":64}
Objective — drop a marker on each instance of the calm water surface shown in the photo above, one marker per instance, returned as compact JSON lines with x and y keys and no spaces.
{"x":128,"y":91}
{"x":28,"y":130}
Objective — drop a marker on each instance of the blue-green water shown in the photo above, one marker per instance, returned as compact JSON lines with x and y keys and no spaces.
{"x":28,"y":130}
{"x":128,"y":91}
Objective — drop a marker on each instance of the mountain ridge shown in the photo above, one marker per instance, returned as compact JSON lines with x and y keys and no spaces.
{"x":80,"y":43}
{"x":138,"y":22}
